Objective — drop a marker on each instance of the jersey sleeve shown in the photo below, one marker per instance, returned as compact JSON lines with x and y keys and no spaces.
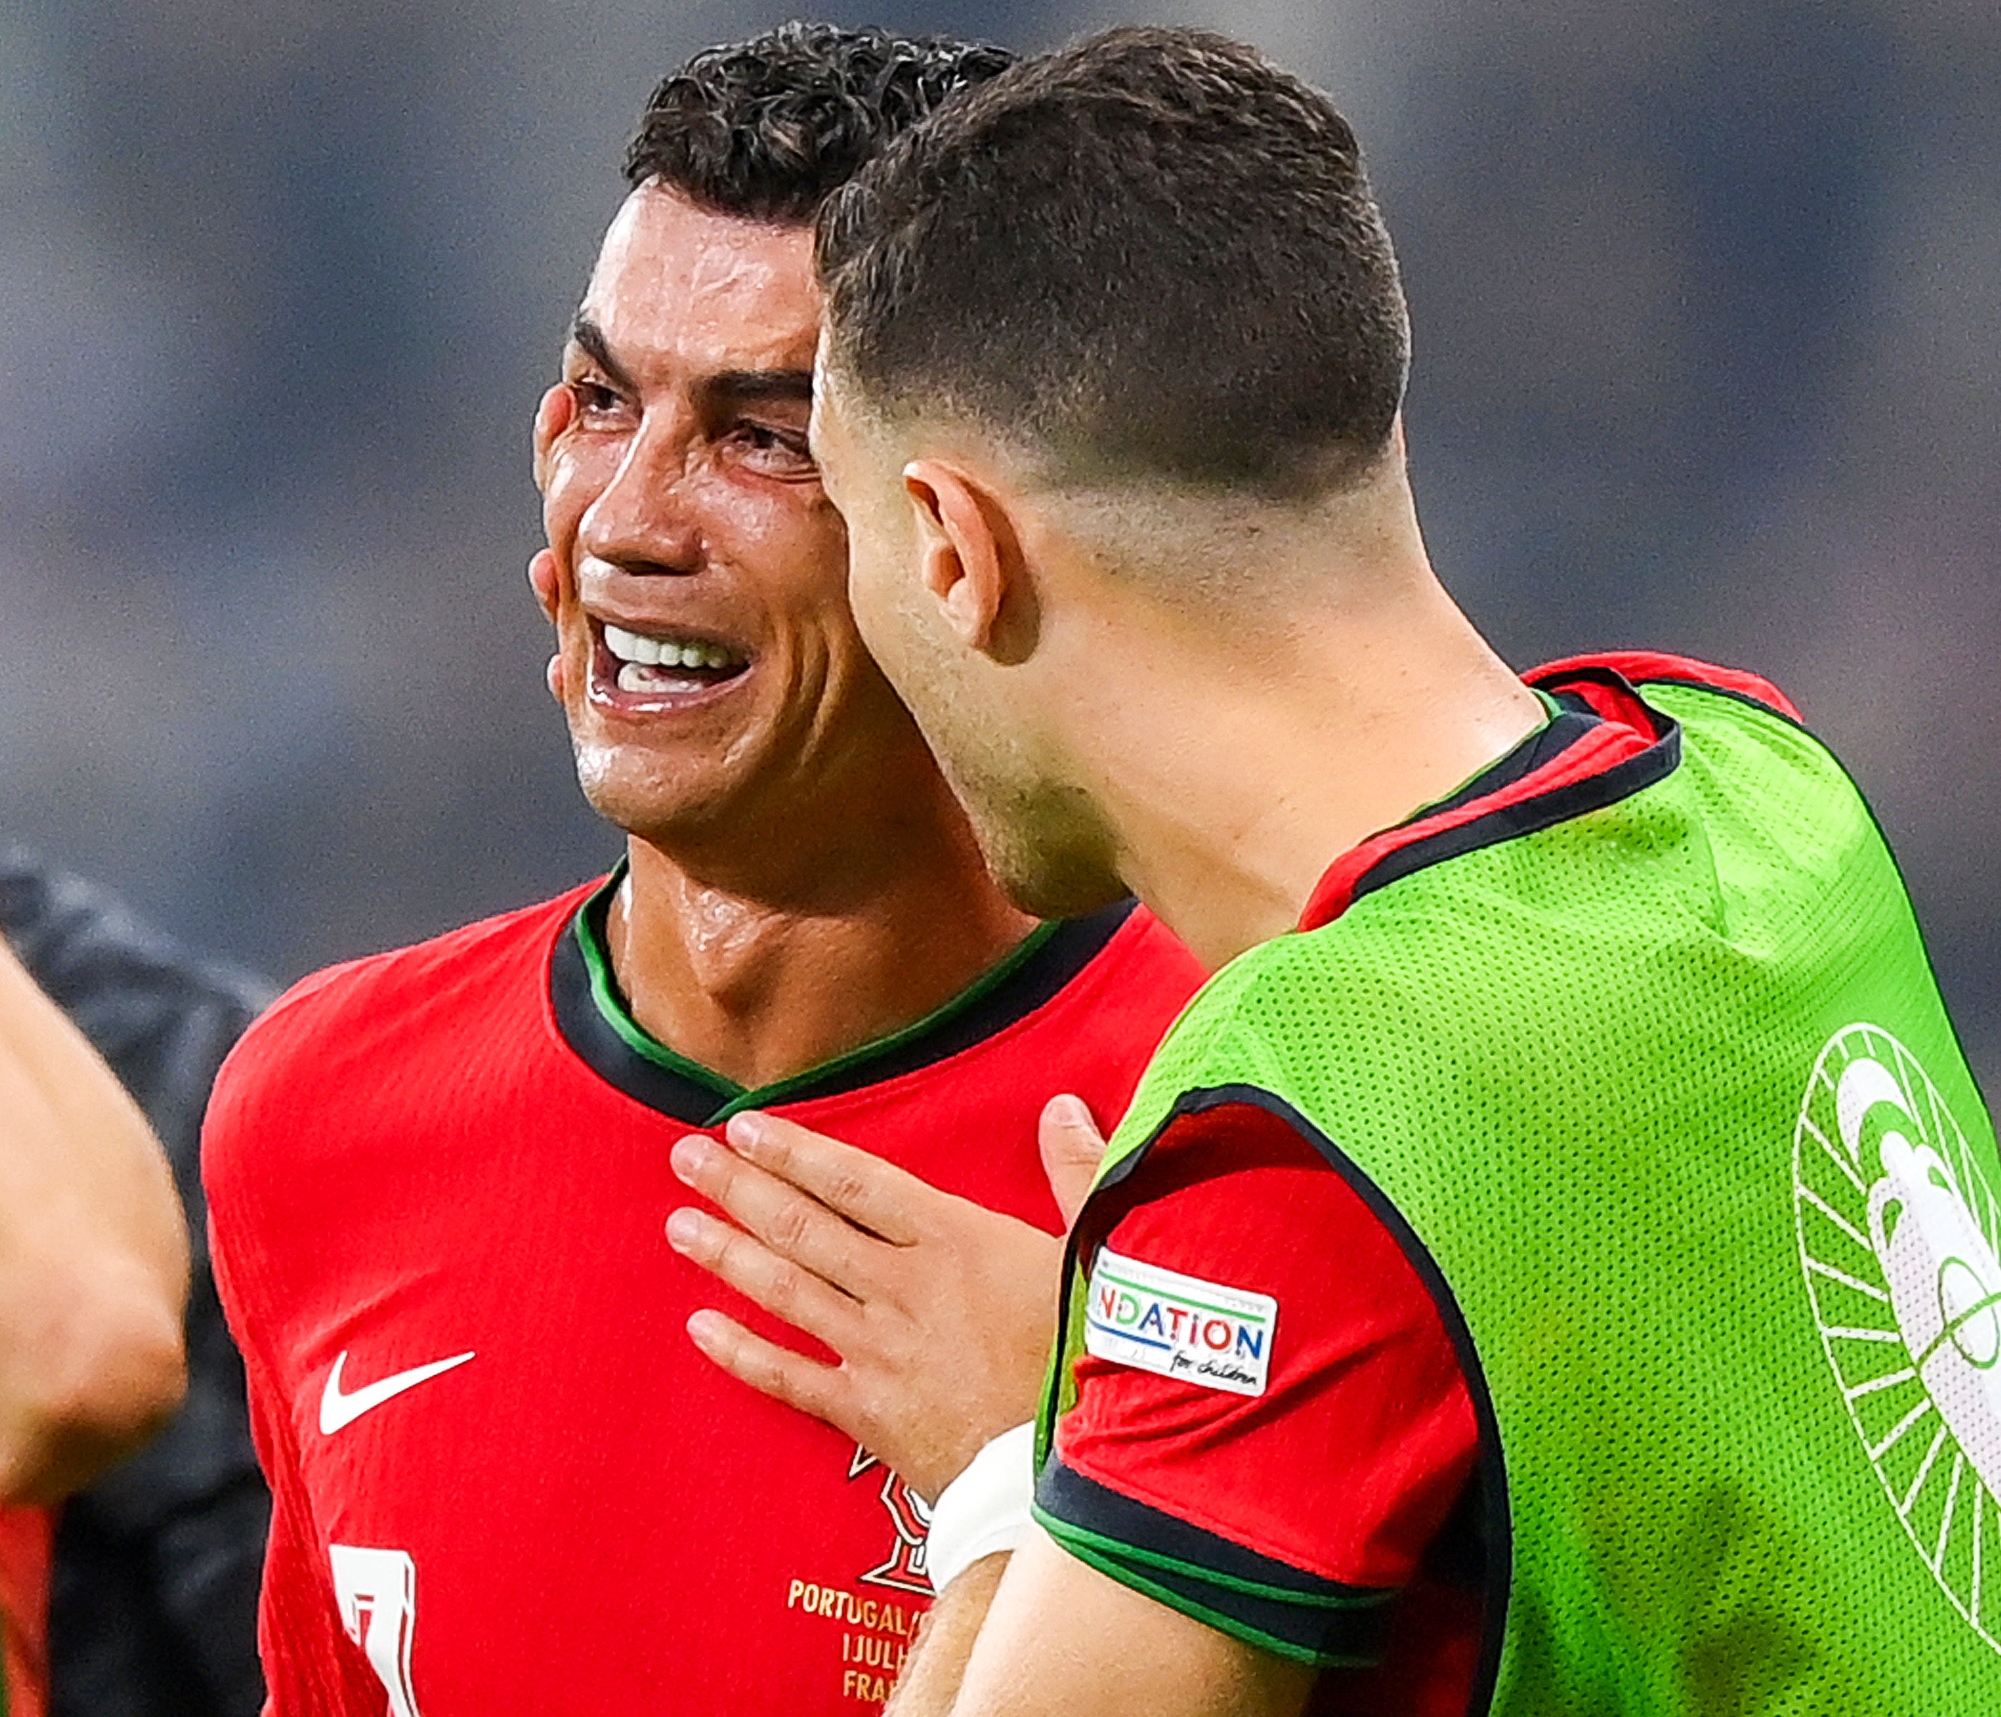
{"x":310,"y":1667}
{"x":1270,"y":1424}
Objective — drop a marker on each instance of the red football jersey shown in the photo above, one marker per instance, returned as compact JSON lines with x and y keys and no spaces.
{"x":504,"y":1478}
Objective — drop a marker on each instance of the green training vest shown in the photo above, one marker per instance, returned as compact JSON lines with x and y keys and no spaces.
{"x":1682,"y":1137}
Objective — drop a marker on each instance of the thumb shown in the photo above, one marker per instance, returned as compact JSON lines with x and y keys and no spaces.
{"x":1071,"y":1146}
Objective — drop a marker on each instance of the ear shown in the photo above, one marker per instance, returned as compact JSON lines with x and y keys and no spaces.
{"x":552,"y":417}
{"x":969,"y":560}
{"x":543,"y":578}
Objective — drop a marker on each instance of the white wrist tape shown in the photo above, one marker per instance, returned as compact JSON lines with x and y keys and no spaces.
{"x":985,"y":1509}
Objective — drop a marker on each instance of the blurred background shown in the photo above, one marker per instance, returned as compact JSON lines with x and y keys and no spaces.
{"x":1707,"y":300}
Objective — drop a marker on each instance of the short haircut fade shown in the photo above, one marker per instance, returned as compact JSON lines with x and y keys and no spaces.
{"x":765,"y":129}
{"x":1151,"y":256}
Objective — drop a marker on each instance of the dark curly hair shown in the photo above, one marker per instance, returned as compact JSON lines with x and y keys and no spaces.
{"x":767,"y":129}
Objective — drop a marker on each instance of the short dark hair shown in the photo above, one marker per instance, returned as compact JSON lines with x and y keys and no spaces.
{"x":1151,"y":255}
{"x":766,"y":129}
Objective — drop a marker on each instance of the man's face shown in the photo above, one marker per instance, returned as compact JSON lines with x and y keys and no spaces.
{"x":706,"y":657}
{"x":987,"y":723}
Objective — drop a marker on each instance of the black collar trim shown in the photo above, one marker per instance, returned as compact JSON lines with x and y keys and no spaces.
{"x":679,"y":1089}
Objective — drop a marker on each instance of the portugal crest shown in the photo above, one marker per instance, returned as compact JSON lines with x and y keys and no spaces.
{"x":1900,"y":1241}
{"x":910,"y":1519}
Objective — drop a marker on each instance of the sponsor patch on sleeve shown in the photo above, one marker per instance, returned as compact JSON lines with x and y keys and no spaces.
{"x":1180,"y":1326}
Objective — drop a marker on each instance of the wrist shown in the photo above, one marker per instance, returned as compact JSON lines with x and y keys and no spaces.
{"x":983,"y":1511}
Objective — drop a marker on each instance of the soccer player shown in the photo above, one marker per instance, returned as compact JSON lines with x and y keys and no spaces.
{"x":502,"y":1479}
{"x":1552,"y":1265}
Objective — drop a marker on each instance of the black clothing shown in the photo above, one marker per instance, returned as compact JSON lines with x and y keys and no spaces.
{"x":153,"y":1600}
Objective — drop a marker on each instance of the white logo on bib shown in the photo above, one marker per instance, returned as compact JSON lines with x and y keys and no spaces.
{"x":1898,"y":1238}
{"x":1180,"y":1326}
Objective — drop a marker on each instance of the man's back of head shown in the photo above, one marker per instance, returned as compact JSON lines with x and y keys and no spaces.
{"x":1115,"y":345}
{"x":1149,"y":258}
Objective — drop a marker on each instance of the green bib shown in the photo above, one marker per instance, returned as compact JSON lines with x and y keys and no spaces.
{"x":1663,"y":1102}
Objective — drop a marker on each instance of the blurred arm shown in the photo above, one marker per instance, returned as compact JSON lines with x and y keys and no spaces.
{"x":93,"y":1257}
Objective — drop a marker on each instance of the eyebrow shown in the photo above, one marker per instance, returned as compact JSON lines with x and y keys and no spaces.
{"x":759,"y":387}
{"x":587,"y":334}
{"x":724,"y":388}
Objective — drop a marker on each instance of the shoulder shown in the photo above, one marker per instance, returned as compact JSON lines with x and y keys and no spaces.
{"x":162,"y":1019}
{"x":331,"y":1031}
{"x":1245,"y":1027}
{"x":421,"y":973}
{"x":1298,"y":982}
{"x":1755,"y":790}
{"x":1644,"y":668}
{"x":1735,"y":726}
{"x":1116,"y":982}
{"x":1140,"y":965}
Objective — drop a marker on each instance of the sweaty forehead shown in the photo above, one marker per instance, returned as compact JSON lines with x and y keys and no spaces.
{"x":681,"y":290}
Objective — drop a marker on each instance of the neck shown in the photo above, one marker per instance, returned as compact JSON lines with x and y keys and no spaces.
{"x":860,"y":927}
{"x":1355,"y":716}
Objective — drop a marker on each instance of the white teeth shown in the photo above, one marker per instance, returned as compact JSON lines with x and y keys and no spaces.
{"x":633,"y":647}
{"x":626,"y":646}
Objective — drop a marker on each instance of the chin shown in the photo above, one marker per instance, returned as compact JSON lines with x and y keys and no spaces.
{"x":637,"y":802}
{"x":1046,"y":893}
{"x":1047,"y":867}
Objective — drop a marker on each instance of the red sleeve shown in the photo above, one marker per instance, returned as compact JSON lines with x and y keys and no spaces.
{"x":1318,"y":1493}
{"x":26,"y":1533}
{"x":310,"y":1667}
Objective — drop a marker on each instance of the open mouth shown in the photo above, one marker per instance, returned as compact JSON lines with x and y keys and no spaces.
{"x":667,"y":664}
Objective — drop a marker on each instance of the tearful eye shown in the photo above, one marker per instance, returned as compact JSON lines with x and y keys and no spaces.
{"x":775,"y":452}
{"x":594,"y":397}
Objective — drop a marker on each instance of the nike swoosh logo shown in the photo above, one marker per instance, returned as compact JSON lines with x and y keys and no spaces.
{"x":338,"y":1410}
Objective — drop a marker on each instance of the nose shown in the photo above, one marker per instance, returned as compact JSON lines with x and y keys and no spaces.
{"x":645,"y":520}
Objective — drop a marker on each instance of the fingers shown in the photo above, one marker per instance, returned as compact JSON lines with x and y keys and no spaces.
{"x":796,"y":1227}
{"x":781,"y":1287}
{"x":1072,"y":1148}
{"x":773,"y":1370}
{"x":866,"y":1190}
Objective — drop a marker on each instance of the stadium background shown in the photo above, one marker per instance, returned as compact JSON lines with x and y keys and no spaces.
{"x":1708,"y":307}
